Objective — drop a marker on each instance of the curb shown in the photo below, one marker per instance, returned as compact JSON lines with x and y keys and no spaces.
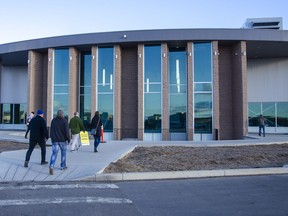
{"x":188,"y":174}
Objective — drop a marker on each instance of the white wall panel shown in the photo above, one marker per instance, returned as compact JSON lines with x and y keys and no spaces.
{"x":267,"y":80}
{"x":14,"y":84}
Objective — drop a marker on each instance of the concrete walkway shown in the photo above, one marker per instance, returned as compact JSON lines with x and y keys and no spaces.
{"x":87,"y":165}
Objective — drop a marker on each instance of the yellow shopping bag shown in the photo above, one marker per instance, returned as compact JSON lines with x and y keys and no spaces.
{"x":84,"y":137}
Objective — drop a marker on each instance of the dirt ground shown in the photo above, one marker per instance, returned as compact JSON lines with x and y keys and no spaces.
{"x":11,"y":146}
{"x":153,"y":159}
{"x":179,"y":158}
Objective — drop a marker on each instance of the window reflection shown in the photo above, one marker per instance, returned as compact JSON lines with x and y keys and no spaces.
{"x":203,"y":103}
{"x":152,"y":89}
{"x":282,"y":114}
{"x":177,"y":87}
{"x":61,"y":81}
{"x":276,"y":113}
{"x":105,"y":86}
{"x":85,"y":88}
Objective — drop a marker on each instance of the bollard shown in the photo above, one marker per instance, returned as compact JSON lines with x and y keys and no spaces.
{"x":102,"y":135}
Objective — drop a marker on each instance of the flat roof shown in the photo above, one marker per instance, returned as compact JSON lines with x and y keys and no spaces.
{"x":260,"y":42}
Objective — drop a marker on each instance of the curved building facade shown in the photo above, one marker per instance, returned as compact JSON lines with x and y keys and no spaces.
{"x":178,"y":84}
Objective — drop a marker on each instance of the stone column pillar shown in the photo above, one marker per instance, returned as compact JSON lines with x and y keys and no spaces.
{"x":140,"y":92}
{"x":190,"y":92}
{"x":73,"y":81}
{"x":117,"y":93}
{"x":216,"y":101}
{"x":165,"y":94}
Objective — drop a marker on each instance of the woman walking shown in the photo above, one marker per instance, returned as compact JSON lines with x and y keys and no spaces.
{"x":95,"y":128}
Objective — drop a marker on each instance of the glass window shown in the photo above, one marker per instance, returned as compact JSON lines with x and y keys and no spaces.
{"x":268,"y":111}
{"x":105,"y":84}
{"x":254,"y":110}
{"x":61,"y":81}
{"x":7,"y":113}
{"x":152,"y":89}
{"x":282,"y":114}
{"x":203,"y":103}
{"x":203,"y":112}
{"x":106,"y":110}
{"x":19,"y":113}
{"x":178,"y":86}
{"x":85,"y":88}
{"x":152,"y":113}
{"x":202,"y":62}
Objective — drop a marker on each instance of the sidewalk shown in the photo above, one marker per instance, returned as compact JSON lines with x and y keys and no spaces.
{"x":87,"y":165}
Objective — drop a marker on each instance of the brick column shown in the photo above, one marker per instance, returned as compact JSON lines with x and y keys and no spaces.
{"x":94,"y":54}
{"x":117,"y":93}
{"x":140,"y":92}
{"x":37,"y":82}
{"x":239,"y":79}
{"x":165,"y":94}
{"x":190,"y":92}
{"x":216,"y":106}
{"x":73,"y":81}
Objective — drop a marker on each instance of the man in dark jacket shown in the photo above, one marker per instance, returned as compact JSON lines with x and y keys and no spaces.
{"x":60,"y":137}
{"x":38,"y":135}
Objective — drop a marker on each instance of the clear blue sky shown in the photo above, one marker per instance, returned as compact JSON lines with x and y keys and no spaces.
{"x":31,"y":19}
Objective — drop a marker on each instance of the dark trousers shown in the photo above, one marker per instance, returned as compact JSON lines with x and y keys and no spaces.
{"x":262,"y":128}
{"x":32,"y":144}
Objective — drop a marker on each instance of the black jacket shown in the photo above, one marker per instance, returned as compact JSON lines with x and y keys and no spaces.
{"x":59,"y":131}
{"x":38,"y":129}
{"x":94,"y":123}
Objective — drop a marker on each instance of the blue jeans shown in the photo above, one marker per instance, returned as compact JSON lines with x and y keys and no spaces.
{"x":96,"y":141}
{"x":55,"y":149}
{"x":262,"y":127}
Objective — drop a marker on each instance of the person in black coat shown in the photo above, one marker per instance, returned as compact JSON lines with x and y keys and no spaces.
{"x":38,"y":135}
{"x":96,"y":123}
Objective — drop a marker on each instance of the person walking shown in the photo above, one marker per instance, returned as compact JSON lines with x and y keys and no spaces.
{"x":262,"y":122}
{"x":76,"y":125}
{"x":95,"y":128}
{"x":60,"y":137}
{"x":29,"y":118}
{"x":38,"y":135}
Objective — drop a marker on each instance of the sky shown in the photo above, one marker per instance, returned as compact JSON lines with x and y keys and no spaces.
{"x":31,"y":19}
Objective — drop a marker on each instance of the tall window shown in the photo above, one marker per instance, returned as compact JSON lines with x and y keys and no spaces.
{"x":105,"y":84}
{"x":85,"y":88}
{"x":177,"y":90}
{"x":152,"y":89}
{"x":203,"y":88}
{"x":61,"y":81}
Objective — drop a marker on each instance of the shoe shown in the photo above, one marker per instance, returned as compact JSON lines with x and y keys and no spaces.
{"x":95,"y":150}
{"x":44,"y":162}
{"x":63,"y":168}
{"x":26,"y":137}
{"x":78,"y":147}
{"x":26,"y":164}
{"x":51,"y":171}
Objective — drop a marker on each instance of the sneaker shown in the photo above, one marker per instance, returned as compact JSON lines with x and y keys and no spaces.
{"x":51,"y":171}
{"x":63,"y":168}
{"x":44,"y":162}
{"x":78,"y":147}
{"x":26,"y":164}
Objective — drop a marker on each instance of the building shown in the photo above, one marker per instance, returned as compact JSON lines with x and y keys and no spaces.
{"x":177,"y":84}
